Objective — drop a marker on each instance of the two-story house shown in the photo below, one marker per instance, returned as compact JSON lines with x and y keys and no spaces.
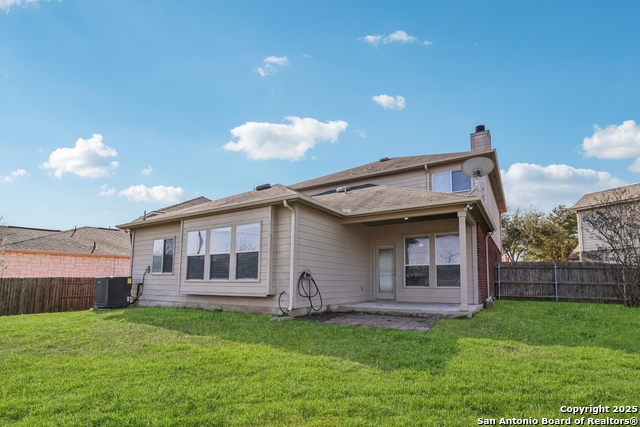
{"x":405,"y":230}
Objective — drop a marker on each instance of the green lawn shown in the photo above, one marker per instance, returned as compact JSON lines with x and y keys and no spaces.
{"x":158,"y":366}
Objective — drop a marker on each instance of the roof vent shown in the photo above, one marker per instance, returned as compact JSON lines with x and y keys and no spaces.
{"x":479,"y":128}
{"x":384,"y":159}
{"x":342,"y":189}
{"x":263,"y":187}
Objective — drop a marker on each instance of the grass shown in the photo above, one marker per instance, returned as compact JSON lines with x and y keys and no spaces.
{"x":159,"y":366}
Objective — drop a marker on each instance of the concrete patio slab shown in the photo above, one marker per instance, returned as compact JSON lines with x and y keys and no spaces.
{"x":407,"y":308}
{"x":416,"y":324}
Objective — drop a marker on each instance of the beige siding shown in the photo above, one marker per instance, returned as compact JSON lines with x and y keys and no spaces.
{"x":337,"y":255}
{"x":395,"y":234}
{"x":409,"y":179}
{"x":494,"y":212}
{"x":163,"y":289}
{"x":588,"y":241}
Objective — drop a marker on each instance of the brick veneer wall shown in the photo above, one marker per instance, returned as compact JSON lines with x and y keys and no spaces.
{"x":46,"y":264}
{"x":494,"y":256}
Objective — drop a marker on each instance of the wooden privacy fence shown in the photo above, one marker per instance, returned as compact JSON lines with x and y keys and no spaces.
{"x":556,"y":281}
{"x":46,"y":294}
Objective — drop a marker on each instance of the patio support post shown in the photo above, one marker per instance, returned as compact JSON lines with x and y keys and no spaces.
{"x":462,"y":232}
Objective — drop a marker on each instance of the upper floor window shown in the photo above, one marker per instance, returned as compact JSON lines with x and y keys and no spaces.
{"x":451,"y":181}
{"x":162,"y":256}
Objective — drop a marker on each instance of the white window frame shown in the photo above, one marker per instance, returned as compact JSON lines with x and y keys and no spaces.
{"x":236,"y":252}
{"x":205,"y":244}
{"x":404,"y":254}
{"x":436,"y":259}
{"x":450,"y":181}
{"x":163,"y":240}
{"x":230,"y":253}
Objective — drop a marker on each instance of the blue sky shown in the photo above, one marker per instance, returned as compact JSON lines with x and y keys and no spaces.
{"x":110,"y":108}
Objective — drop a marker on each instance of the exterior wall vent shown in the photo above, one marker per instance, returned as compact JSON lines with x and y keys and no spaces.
{"x":263,"y":187}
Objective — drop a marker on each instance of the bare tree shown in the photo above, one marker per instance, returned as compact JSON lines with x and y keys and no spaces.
{"x":615,"y":222}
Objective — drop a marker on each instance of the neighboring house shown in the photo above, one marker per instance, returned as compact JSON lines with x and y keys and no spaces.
{"x":82,"y":252}
{"x":403,"y":229}
{"x":588,"y":244}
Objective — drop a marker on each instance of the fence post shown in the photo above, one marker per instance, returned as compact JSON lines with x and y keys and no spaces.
{"x":555,"y":275}
{"x":499,"y":294}
{"x":624,"y":284}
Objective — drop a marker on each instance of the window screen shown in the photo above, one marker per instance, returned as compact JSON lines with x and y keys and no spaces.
{"x":219,"y":253}
{"x":195,"y":255}
{"x":460,"y":181}
{"x":416,"y":261}
{"x":157,"y":256}
{"x":448,"y":260}
{"x":442,"y":182}
{"x":247,"y":251}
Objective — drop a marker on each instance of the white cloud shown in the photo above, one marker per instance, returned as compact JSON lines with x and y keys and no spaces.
{"x":545,"y":187}
{"x":147,"y":171}
{"x":159,"y":193}
{"x":13,"y":175}
{"x":390,"y":102}
{"x":615,"y":142}
{"x":271,"y":65}
{"x":106,"y":191}
{"x":397,"y":37}
{"x":7,"y":5}
{"x":88,"y":159}
{"x":262,"y":141}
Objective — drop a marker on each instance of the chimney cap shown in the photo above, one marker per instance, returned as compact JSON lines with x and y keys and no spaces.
{"x":479,"y":128}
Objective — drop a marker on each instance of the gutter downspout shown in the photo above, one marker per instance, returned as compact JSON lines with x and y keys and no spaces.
{"x":486,"y":253}
{"x":292,"y":259}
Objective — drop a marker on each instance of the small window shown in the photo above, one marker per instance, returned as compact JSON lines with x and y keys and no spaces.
{"x":416,"y":261}
{"x":452,"y":181}
{"x":195,"y":255}
{"x":448,"y":260}
{"x":219,"y":253}
{"x":162,"y":256}
{"x":247,"y":251}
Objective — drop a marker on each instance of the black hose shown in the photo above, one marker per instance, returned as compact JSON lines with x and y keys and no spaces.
{"x":306,"y":275}
{"x":284,"y":313}
{"x":139,"y":290}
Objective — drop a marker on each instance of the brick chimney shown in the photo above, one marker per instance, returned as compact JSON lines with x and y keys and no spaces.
{"x":481,"y":140}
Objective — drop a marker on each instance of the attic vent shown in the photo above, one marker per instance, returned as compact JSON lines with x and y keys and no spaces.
{"x":342,"y":189}
{"x":263,"y":187}
{"x":384,"y":159}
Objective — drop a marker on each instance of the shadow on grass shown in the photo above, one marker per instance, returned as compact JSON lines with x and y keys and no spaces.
{"x":385,"y":349}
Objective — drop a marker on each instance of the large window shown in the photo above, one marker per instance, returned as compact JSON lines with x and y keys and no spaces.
{"x":162,"y":256}
{"x":416,"y":261}
{"x":195,"y":255}
{"x":448,"y":260}
{"x":219,"y":253}
{"x":452,"y":181}
{"x":247,"y":251}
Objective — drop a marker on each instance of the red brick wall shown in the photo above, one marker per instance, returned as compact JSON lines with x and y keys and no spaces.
{"x":494,"y":256}
{"x":33,"y":264}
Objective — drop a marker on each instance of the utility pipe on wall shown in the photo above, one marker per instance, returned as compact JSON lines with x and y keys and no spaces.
{"x":486,"y":254}
{"x":292,"y":259}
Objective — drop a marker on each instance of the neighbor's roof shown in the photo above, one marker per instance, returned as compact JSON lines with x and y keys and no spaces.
{"x":394,"y":164}
{"x":108,"y":241}
{"x":619,"y":194}
{"x":370,"y":197}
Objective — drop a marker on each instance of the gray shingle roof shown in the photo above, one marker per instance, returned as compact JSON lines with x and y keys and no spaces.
{"x":379,"y":168}
{"x":108,"y":241}
{"x":381,"y":196}
{"x":619,"y":194}
{"x":253,"y":196}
